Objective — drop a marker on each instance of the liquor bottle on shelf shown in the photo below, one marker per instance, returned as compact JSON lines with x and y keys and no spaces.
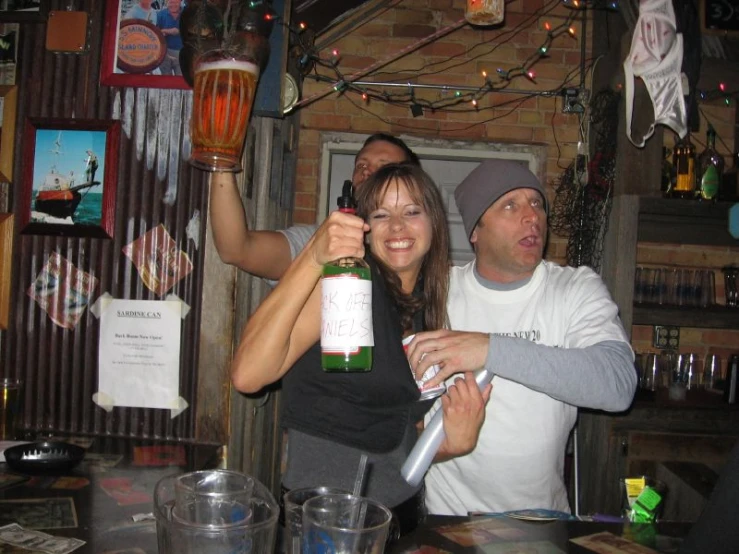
{"x":710,"y":168}
{"x":347,"y":337}
{"x":683,"y":158}
{"x":729,"y":190}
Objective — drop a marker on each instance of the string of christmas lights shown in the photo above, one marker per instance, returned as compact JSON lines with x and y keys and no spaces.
{"x":720,"y":92}
{"x":461,"y":95}
{"x":499,"y":81}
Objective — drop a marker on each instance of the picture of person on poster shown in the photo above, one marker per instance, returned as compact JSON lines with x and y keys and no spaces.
{"x":168,"y":21}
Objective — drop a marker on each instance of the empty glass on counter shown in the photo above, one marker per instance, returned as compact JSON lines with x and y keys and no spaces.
{"x":214,"y":512}
{"x":293,"y":501}
{"x":344,"y":523}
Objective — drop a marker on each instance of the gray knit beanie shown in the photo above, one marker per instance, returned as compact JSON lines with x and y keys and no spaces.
{"x":489,"y":181}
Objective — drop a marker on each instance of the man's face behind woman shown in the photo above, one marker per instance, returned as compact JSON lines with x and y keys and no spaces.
{"x":372,"y":157}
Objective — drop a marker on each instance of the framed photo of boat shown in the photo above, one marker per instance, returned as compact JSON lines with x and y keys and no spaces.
{"x":23,"y":10}
{"x":69,"y":180}
{"x":140,"y":47}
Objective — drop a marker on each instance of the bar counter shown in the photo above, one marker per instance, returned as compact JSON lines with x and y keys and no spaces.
{"x":96,"y":501}
{"x":502,"y":534}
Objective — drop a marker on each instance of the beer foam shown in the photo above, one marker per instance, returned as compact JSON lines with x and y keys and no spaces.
{"x":237,"y":65}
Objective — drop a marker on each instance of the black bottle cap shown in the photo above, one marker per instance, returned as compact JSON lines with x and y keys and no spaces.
{"x":345,"y":202}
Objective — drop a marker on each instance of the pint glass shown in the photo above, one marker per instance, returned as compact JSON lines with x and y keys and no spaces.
{"x":224,"y":88}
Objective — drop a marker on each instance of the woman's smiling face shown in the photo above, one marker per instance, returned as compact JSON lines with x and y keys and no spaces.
{"x":400,"y":232}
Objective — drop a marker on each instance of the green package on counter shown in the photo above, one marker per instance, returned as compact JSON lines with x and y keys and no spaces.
{"x":643,"y":510}
{"x":649,"y":499}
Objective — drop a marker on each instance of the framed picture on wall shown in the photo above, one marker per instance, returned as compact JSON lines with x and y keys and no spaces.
{"x":23,"y":10}
{"x":141,"y":44}
{"x":69,"y":177}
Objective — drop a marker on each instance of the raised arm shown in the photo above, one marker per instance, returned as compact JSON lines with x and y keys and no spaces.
{"x":287,"y":322}
{"x":262,"y":253}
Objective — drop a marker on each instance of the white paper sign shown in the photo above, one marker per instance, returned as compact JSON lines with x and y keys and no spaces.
{"x":346,"y":313}
{"x":139,"y":360}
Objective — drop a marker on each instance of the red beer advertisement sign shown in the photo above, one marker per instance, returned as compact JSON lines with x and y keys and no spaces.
{"x":141,"y":46}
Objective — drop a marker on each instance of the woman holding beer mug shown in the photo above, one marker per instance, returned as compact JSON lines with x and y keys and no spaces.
{"x":333,"y":418}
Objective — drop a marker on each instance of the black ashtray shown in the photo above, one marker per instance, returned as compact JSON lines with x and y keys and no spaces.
{"x":37,"y":457}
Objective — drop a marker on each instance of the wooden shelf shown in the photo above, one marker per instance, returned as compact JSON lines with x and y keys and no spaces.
{"x":715,"y":317}
{"x":671,"y":220}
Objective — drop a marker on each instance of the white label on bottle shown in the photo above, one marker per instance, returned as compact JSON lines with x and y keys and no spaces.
{"x":346,"y":313}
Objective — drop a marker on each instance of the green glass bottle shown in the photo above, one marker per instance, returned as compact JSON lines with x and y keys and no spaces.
{"x":347,"y":338}
{"x":710,"y":167}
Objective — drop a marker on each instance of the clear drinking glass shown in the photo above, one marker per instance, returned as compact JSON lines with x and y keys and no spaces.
{"x":639,"y":285}
{"x":293,"y":501}
{"x":685,"y":287}
{"x":344,"y":523}
{"x":215,"y":519}
{"x":671,"y":287}
{"x":650,"y":372}
{"x":669,"y":365}
{"x":730,"y":286}
{"x":659,"y":287}
{"x":711,"y":371}
{"x":708,"y":288}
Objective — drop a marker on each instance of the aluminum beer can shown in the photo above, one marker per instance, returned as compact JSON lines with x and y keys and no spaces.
{"x":427,"y":393}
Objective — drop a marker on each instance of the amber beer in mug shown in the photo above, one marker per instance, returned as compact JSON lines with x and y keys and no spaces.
{"x":224,"y":89}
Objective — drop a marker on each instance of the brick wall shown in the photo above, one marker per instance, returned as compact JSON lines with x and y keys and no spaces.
{"x":460,"y":57}
{"x":457,"y":63}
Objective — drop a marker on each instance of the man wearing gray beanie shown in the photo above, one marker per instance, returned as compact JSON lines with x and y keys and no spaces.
{"x":551,"y":335}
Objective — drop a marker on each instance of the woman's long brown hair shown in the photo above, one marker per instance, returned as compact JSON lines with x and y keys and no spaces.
{"x":434,"y":275}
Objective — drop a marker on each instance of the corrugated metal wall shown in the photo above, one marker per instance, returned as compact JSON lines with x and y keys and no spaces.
{"x":155,"y":186}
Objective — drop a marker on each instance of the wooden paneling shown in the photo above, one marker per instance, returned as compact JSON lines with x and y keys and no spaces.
{"x":669,"y":220}
{"x":6,"y":251}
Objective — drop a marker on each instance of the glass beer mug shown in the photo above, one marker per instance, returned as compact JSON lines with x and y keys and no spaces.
{"x":223,"y":93}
